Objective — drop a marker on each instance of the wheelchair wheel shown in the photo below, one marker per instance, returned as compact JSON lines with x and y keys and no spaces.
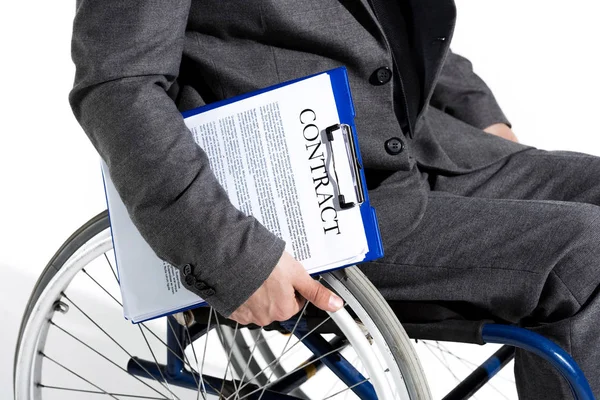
{"x":75,"y":343}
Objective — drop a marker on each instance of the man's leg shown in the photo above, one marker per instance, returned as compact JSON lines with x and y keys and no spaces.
{"x":526,"y":258}
{"x":542,"y":175}
{"x":530,"y":175}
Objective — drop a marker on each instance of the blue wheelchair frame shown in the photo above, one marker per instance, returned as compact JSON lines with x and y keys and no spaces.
{"x":326,"y":355}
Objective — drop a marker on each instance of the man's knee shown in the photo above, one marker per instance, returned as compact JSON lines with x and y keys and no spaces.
{"x":575,"y":278}
{"x":584,"y":228}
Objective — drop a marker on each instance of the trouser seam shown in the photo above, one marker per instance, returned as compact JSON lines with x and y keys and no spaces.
{"x":453,"y":268}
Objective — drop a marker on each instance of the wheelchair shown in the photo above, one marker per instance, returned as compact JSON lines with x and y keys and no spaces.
{"x":75,"y":344}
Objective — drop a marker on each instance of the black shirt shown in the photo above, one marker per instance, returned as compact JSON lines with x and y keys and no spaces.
{"x":395,"y":19}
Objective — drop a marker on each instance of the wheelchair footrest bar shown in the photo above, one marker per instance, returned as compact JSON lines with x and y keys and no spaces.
{"x":482,"y":374}
{"x":189,"y":380}
{"x":539,"y":345}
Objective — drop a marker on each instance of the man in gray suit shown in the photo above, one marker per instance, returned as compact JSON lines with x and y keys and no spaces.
{"x":467,"y":217}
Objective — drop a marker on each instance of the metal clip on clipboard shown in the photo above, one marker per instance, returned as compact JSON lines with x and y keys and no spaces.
{"x":351,"y":156}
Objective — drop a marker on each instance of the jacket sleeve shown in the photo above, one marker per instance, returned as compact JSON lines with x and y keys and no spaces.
{"x":127,"y":55}
{"x":464,"y":95}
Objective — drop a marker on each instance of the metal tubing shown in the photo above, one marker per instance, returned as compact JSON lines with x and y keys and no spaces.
{"x":176,"y":342}
{"x":482,"y":374}
{"x":539,"y":345}
{"x":343,"y":369}
{"x":185,"y":379}
{"x":311,"y":367}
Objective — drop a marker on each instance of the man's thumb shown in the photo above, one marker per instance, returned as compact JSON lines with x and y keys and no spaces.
{"x":319,"y":295}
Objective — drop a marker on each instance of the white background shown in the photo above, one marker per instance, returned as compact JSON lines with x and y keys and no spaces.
{"x":539,"y":57}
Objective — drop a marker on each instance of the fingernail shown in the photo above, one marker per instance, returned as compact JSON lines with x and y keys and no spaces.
{"x":335,"y":302}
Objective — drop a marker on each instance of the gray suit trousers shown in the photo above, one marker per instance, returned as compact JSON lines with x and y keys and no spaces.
{"x":519,"y":241}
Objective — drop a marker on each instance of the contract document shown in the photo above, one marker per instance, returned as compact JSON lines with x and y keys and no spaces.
{"x":285,"y":155}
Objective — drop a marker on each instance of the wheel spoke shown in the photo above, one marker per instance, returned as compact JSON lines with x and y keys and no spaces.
{"x":466,"y":362}
{"x":181,"y":347}
{"x":444,"y":350}
{"x":346,"y":389}
{"x":235,"y":332}
{"x":186,"y":361}
{"x":77,"y":375}
{"x":96,"y":392}
{"x":428,"y":347}
{"x":210,"y":312}
{"x":328,"y":394}
{"x":278,"y":359}
{"x":150,"y":331}
{"x":106,"y":358}
{"x":288,"y":350}
{"x":102,"y":287}
{"x":142,"y":324}
{"x":156,"y":363}
{"x":247,"y":366}
{"x":189,"y":338}
{"x":264,"y":387}
{"x":115,"y":342}
{"x":111,"y":268}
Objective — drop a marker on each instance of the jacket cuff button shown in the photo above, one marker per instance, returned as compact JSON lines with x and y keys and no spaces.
{"x":190,"y":280}
{"x":208,"y":292}
{"x":187,"y":269}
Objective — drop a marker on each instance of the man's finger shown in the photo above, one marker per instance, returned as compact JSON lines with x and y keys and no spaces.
{"x":318,"y":294}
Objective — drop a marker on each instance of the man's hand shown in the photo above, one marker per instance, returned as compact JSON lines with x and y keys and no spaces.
{"x":503,"y":131}
{"x":283,"y":294}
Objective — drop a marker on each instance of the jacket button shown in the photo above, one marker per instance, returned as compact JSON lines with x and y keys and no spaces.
{"x":190,"y":280}
{"x":209,"y":292}
{"x":381,"y":76}
{"x":394,"y":146}
{"x":200,"y":285}
{"x":187,"y":269}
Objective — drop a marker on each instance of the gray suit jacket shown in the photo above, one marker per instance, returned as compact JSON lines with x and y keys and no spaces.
{"x":140,"y":62}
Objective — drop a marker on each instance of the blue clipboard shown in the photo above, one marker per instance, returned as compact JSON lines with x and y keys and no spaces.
{"x":346,"y":114}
